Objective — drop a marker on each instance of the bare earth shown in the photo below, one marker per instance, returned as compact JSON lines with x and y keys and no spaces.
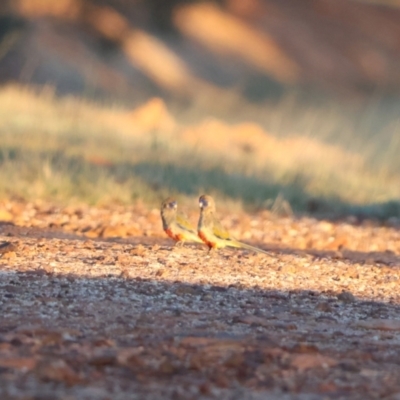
{"x":96,"y":304}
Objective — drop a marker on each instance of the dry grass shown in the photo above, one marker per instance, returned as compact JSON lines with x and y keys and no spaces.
{"x":70,"y":149}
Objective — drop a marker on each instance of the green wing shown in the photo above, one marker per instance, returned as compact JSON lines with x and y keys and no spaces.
{"x":220,"y":231}
{"x":182,"y":221}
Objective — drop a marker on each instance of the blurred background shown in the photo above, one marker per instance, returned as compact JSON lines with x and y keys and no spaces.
{"x":267,"y":104}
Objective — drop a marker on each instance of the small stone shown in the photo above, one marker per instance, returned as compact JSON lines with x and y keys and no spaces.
{"x":104,"y":358}
{"x":303,"y":362}
{"x":183,"y":290}
{"x":7,"y":247}
{"x":10,"y":254}
{"x":56,"y":371}
{"x":346,"y":297}
{"x":139,"y":250}
{"x":324,"y":307}
{"x":380,"y":324}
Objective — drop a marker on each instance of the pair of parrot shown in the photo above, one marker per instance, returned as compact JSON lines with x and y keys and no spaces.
{"x":209,"y":229}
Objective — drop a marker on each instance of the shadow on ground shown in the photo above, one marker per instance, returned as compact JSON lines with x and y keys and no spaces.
{"x":75,"y":324}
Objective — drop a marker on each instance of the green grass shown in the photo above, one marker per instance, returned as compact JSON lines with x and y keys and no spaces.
{"x":330,"y":157}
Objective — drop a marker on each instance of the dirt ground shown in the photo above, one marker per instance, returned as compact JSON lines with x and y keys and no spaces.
{"x":97,"y":304}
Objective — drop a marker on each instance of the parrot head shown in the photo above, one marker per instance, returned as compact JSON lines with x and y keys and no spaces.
{"x":169,"y":204}
{"x":168,"y":211}
{"x":206,"y":203}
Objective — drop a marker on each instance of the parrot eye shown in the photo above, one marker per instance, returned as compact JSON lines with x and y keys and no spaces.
{"x":203,"y":203}
{"x":173,"y":204}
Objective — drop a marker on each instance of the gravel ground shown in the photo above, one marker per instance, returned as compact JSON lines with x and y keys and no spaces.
{"x":96,"y":303}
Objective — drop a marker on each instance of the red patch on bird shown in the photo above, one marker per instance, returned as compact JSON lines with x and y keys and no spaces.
{"x":203,"y":237}
{"x":173,"y":235}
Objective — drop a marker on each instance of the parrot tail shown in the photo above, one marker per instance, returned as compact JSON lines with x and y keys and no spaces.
{"x":236,"y":243}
